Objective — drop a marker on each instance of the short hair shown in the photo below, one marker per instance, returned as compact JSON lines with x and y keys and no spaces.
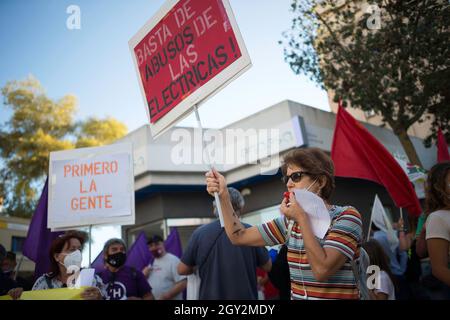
{"x":155,"y":239}
{"x":317,"y":163}
{"x":237,"y":200}
{"x":112,"y":241}
{"x":58,"y":244}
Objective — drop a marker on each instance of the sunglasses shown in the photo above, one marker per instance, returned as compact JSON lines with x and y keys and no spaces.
{"x":295,"y":176}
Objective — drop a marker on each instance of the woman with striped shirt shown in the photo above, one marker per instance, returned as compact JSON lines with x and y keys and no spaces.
{"x":319,"y":268}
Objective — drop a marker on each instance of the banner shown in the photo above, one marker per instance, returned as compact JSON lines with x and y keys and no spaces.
{"x":50,"y":294}
{"x":356,"y":153}
{"x":183,"y":55}
{"x":381,"y":220}
{"x":91,"y":186}
{"x":416,"y":174}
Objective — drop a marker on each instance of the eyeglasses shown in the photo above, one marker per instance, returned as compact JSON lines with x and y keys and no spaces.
{"x":295,"y":176}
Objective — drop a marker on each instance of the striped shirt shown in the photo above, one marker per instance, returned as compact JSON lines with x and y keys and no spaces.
{"x":344,"y":235}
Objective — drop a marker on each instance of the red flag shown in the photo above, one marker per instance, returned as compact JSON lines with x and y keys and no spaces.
{"x":357,"y":154}
{"x":442,"y":147}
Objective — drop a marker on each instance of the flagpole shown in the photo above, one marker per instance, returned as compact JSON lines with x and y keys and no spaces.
{"x":208,"y":160}
{"x":18,"y":267}
{"x":370,"y":221}
{"x":90,"y":244}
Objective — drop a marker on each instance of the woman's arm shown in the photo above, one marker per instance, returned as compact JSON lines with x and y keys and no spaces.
{"x":421,"y":244}
{"x":324,"y":261}
{"x":236,"y":231}
{"x":438,"y":251}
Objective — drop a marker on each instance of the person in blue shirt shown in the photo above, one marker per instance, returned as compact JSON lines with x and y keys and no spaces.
{"x":226,"y":271}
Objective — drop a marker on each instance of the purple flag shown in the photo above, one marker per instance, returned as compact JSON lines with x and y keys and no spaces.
{"x":173,"y":243}
{"x":98,"y":264}
{"x":39,"y":238}
{"x":138,"y":256}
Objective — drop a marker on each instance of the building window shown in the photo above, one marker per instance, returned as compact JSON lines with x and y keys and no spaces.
{"x":17,"y":244}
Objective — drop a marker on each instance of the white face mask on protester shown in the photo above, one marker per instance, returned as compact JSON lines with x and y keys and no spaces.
{"x":73,"y":259}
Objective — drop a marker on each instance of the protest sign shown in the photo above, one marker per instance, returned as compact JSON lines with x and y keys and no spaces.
{"x":183,"y":55}
{"x":91,"y":186}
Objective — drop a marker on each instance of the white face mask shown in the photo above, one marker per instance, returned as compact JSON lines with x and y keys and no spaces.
{"x":73,"y":259}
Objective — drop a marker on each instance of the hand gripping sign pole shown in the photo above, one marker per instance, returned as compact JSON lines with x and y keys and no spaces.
{"x":208,"y":160}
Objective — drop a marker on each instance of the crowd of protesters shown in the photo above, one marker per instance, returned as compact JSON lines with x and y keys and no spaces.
{"x":233,"y":262}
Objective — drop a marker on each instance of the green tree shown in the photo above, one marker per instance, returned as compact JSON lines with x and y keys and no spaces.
{"x":398,"y":68}
{"x":37,"y":126}
{"x":95,"y":132}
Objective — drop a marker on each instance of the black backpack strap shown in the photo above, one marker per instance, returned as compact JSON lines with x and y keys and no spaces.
{"x":210,"y":249}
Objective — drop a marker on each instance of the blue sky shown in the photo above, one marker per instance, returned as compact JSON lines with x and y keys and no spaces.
{"x":95,"y":64}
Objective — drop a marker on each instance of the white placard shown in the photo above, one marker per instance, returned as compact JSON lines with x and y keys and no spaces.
{"x":91,"y":186}
{"x":85,"y":278}
{"x":318,"y":214}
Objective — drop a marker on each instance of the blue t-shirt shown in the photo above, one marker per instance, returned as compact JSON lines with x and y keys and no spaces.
{"x":398,"y":259}
{"x":229,"y":272}
{"x":126,"y":282}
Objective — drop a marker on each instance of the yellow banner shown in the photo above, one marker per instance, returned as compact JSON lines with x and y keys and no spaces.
{"x":50,"y":294}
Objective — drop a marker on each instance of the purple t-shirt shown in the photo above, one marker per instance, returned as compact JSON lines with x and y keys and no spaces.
{"x":125,"y":283}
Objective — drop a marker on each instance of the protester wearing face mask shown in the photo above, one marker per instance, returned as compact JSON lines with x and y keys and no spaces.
{"x":319,"y":268}
{"x":122,"y":282}
{"x":162,"y":274}
{"x":66,"y":258}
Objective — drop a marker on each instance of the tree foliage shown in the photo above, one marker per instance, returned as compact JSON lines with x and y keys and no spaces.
{"x":392,"y":58}
{"x":39,"y":125}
